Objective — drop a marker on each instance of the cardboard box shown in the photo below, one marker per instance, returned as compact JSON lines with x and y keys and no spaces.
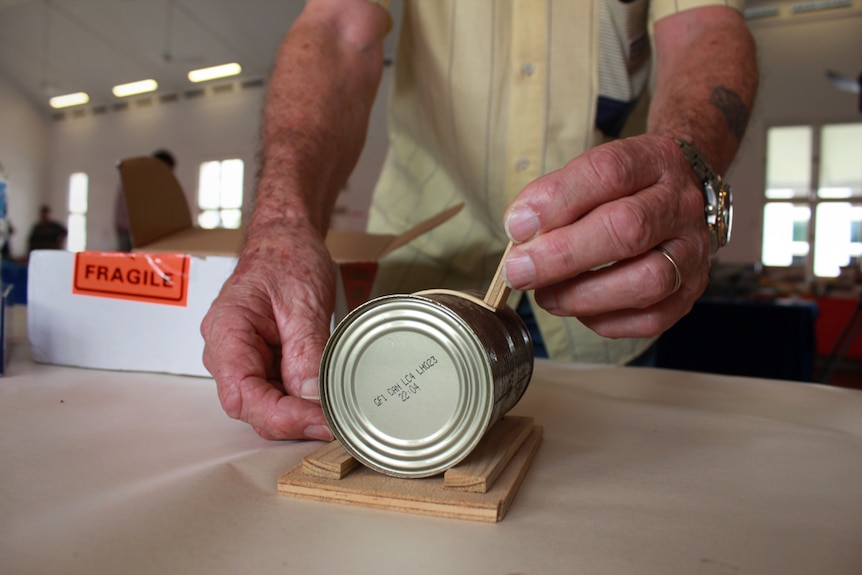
{"x":142,"y":311}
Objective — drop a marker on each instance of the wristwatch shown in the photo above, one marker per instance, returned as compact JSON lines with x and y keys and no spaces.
{"x":718,"y":202}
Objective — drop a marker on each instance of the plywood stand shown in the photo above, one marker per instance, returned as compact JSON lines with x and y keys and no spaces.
{"x":481,"y":488}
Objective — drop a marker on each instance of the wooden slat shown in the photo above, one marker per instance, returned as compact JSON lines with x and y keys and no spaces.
{"x":487,"y":461}
{"x":498,"y":291}
{"x":330,"y":462}
{"x":364,"y":487}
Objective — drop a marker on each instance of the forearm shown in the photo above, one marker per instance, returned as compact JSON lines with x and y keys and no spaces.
{"x":315,"y":118}
{"x":706,"y":81}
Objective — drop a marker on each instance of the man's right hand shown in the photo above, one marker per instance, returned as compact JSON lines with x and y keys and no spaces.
{"x":265,"y":333}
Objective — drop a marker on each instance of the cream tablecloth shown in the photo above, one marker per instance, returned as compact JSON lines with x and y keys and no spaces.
{"x":640,"y":471}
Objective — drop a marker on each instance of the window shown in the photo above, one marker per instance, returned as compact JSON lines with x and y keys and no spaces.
{"x":813,"y":212}
{"x":79,"y":184}
{"x":220,"y":194}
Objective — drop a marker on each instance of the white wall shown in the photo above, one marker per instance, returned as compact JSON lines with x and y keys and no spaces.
{"x":794,"y":54}
{"x":24,"y":145}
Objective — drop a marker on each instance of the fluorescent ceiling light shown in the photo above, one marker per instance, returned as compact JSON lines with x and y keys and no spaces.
{"x":132,"y":88}
{"x":815,"y":6}
{"x":764,"y":12}
{"x":67,"y":100}
{"x":213,"y":72}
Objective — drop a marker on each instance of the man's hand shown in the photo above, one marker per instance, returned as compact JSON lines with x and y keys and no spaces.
{"x":586,"y":238}
{"x":597,"y":238}
{"x":266,"y":331}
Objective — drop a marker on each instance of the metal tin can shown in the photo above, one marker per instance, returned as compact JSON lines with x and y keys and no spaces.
{"x":409,"y":384}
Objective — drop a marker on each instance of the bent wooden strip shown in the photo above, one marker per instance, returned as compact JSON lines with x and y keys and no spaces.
{"x":498,"y":291}
{"x":330,"y":461}
{"x":478,"y":471}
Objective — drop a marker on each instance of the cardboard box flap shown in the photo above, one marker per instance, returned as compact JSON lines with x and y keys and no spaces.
{"x":155,"y":201}
{"x":422,"y":228}
{"x":198,"y":242}
{"x":352,"y":246}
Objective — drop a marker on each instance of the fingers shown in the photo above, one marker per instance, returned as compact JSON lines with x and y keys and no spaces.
{"x":639,"y":297}
{"x":598,"y":176}
{"x":605,"y":219}
{"x":677,"y":276}
{"x":648,"y":322}
{"x":616,"y":238}
{"x":609,"y":233}
{"x":264,"y":336}
{"x":275,"y":415}
{"x":249,"y":385}
{"x":307,"y":331}
{"x":238,"y":342}
{"x":664,"y":302}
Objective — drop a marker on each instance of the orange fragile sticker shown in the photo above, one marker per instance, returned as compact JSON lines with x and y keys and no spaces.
{"x":150,"y":278}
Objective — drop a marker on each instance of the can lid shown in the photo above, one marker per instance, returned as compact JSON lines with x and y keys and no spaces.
{"x":406,"y":386}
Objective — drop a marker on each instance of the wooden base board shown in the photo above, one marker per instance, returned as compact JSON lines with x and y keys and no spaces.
{"x":494,"y":467}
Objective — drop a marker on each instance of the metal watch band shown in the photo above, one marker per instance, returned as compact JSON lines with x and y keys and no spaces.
{"x":716,"y":195}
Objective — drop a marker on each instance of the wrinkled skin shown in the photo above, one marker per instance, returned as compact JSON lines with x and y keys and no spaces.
{"x":613,"y":205}
{"x":266,"y":331}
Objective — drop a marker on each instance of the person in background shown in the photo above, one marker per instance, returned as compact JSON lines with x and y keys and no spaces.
{"x":47,"y":234}
{"x":121,"y":213}
{"x":514,"y":109}
{"x":6,"y":232}
{"x":6,"y":228}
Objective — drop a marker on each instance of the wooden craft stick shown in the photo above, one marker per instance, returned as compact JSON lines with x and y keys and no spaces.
{"x":329,"y":462}
{"x":478,"y":472}
{"x":364,"y":487}
{"x":498,"y":291}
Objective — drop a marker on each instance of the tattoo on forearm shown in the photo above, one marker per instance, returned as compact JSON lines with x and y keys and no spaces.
{"x":732,"y":107}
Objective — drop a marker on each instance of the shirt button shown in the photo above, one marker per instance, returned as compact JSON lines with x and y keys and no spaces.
{"x":522,"y":164}
{"x":528,"y":69}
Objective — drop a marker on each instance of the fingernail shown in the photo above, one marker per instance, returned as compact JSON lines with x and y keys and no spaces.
{"x":320,"y":432}
{"x":310,"y":389}
{"x":519,"y":271}
{"x":521,"y":224}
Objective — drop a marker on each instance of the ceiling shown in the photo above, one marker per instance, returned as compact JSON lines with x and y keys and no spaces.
{"x":53,"y":47}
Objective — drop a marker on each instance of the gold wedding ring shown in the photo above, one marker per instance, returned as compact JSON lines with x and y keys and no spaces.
{"x":677,"y":277}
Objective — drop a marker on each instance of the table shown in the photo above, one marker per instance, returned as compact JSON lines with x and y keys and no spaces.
{"x":641,"y":471}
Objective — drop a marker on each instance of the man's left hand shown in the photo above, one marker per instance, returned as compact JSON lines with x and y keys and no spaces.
{"x":590,"y":238}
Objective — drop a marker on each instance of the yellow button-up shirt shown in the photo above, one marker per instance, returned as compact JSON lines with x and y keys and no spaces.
{"x":487,"y":96}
